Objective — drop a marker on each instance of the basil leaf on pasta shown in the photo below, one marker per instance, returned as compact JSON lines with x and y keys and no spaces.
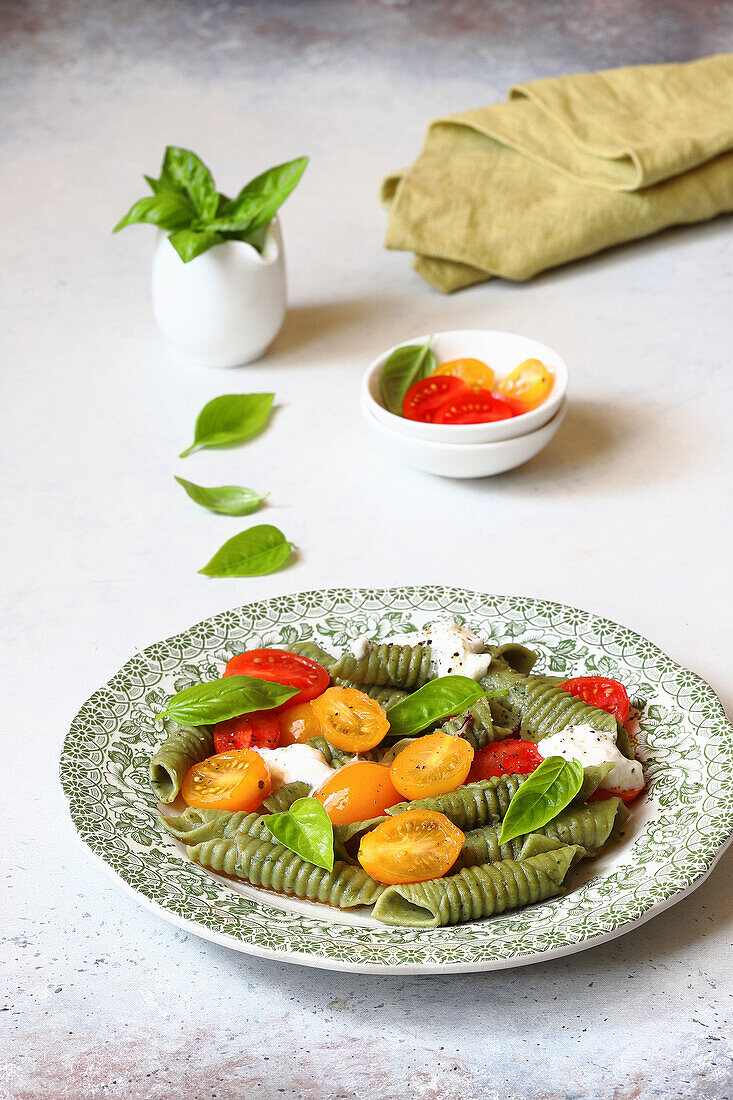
{"x":433,"y":701}
{"x":404,"y":367}
{"x":226,"y":500}
{"x":305,"y":829}
{"x":542,"y":797}
{"x":231,"y":418}
{"x":251,"y":553}
{"x":217,"y":700}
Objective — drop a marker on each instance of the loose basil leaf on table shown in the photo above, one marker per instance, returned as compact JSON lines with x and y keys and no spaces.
{"x":231,"y":418}
{"x":226,"y":500}
{"x":168,"y":210}
{"x":435,"y":700}
{"x":217,"y":700}
{"x":403,"y":368}
{"x":305,"y":829}
{"x":251,"y":553}
{"x":549,"y":789}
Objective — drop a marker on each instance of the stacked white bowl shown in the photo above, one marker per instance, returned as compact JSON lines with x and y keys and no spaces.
{"x":470,"y":450}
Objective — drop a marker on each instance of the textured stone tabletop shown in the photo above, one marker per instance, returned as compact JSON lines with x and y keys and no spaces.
{"x":627,"y":513}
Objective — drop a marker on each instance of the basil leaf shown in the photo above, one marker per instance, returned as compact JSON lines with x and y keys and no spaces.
{"x":305,"y":829}
{"x":190,"y":243}
{"x":231,"y":418}
{"x":542,"y":797}
{"x":218,"y":700}
{"x":167,"y":209}
{"x":251,"y":553}
{"x":227,"y":500}
{"x":433,"y":701}
{"x":183,"y":171}
{"x":259,"y":200}
{"x":403,"y":368}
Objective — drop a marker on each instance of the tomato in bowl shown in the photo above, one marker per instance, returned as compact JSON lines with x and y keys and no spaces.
{"x":475,"y":366}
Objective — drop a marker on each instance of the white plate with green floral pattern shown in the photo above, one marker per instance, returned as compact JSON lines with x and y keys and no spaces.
{"x":673,"y":838}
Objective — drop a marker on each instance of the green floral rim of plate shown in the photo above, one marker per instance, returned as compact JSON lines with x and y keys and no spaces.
{"x":684,"y":739}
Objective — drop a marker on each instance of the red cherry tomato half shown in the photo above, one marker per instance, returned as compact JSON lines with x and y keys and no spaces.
{"x":280,"y":667}
{"x":473,"y":408}
{"x":600,"y":692}
{"x":514,"y":756}
{"x":248,"y":731}
{"x":426,"y":397}
{"x":626,"y":796}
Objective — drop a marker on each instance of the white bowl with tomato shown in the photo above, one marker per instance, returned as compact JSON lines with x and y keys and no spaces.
{"x":466,"y":460}
{"x":467,"y":386}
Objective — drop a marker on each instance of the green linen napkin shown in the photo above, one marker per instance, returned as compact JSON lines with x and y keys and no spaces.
{"x":564,"y":168}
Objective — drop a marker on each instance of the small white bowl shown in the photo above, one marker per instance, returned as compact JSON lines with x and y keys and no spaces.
{"x":502,"y":351}
{"x":466,"y":459}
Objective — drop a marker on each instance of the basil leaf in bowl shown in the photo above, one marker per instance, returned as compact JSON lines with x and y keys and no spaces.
{"x":402,"y":369}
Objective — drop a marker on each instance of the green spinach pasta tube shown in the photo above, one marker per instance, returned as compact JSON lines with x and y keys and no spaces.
{"x":283,"y":799}
{"x":589,"y":827}
{"x":264,"y":863}
{"x":475,"y":892}
{"x":183,"y":747}
{"x":194,"y":825}
{"x":471,"y":806}
{"x":401,"y":666}
{"x":313,"y":652}
{"x":385,"y":696}
{"x":544,"y":708}
{"x":516,"y":656}
{"x":477,"y":726}
{"x":336,"y":758}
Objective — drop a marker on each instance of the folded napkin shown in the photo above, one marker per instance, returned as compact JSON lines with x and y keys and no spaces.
{"x":564,"y":168}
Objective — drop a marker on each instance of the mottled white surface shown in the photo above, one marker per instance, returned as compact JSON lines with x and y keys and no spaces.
{"x":627,"y":514}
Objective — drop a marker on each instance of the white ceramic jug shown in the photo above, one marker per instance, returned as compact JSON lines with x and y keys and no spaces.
{"x":223,"y":308}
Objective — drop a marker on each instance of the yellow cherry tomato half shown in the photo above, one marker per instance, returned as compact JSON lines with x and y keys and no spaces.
{"x":236,"y":780}
{"x":434,"y":764}
{"x":297,"y":723}
{"x":357,"y":792}
{"x":477,"y":375}
{"x":349,"y":719}
{"x":527,"y":386}
{"x":415,"y":846}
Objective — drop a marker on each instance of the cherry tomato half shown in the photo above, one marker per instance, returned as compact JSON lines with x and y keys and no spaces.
{"x":357,"y":792}
{"x":415,"y":846}
{"x":514,"y":756}
{"x":626,"y":796}
{"x":473,"y":408}
{"x":426,"y":397}
{"x":349,"y":719}
{"x":297,"y":723}
{"x":601,"y":692}
{"x":281,"y":667}
{"x":473,"y":372}
{"x":248,"y":731}
{"x":527,"y":385}
{"x":230,"y":781}
{"x":433,"y":764}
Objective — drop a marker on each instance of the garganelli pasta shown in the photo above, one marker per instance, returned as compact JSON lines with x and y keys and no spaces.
{"x":415,"y":826}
